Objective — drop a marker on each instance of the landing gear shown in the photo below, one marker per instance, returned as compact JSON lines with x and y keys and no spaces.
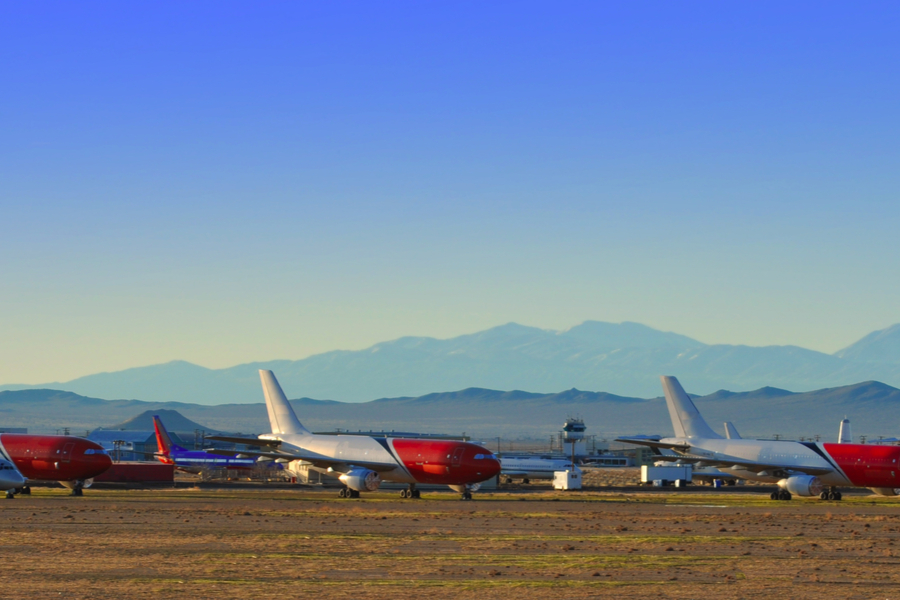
{"x":411,"y":493}
{"x":10,"y":494}
{"x":466,"y":495}
{"x":25,"y":491}
{"x":526,"y":481}
{"x":831,"y":494}
{"x":348,"y":493}
{"x":780,"y":495}
{"x":508,"y":480}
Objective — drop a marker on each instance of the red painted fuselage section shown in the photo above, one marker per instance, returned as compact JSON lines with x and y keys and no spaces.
{"x":867,"y":465}
{"x":446,"y":462}
{"x":55,"y":457}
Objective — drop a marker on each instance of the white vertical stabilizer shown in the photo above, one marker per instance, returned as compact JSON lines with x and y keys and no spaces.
{"x":845,"y":434}
{"x":686,"y":419}
{"x":731,"y":431}
{"x":281,"y":415}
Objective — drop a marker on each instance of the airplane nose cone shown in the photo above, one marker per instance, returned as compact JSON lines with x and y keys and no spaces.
{"x":103,"y":461}
{"x":493,"y":467}
{"x":10,"y":478}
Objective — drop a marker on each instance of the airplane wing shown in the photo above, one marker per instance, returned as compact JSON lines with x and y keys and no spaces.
{"x":655,"y":444}
{"x":738,"y":463}
{"x":318,"y":460}
{"x":245,"y":440}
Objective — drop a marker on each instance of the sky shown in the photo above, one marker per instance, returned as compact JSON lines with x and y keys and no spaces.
{"x":225,"y":182}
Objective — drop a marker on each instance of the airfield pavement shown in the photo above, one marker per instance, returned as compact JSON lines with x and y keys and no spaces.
{"x":302,"y":543}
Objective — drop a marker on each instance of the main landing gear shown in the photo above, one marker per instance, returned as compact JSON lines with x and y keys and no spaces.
{"x":780,"y":495}
{"x":10,"y":494}
{"x":348,"y":493}
{"x":466,"y":495}
{"x":831,"y":494}
{"x":412,"y":492}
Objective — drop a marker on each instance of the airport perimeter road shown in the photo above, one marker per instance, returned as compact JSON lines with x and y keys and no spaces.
{"x":290,"y":544}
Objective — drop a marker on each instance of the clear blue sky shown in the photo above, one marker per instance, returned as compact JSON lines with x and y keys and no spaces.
{"x":223,"y":182}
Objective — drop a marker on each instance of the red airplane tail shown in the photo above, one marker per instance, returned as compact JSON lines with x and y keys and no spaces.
{"x":163,"y":441}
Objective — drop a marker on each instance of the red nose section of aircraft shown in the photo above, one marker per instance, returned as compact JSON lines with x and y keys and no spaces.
{"x":446,"y":462}
{"x":867,"y":465}
{"x":55,"y":457}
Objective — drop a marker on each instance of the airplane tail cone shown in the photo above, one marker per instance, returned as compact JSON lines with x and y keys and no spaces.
{"x":686,"y":419}
{"x":281,"y":416}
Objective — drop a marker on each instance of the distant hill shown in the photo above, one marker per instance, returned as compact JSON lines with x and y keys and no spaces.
{"x":873,"y":407}
{"x":172,"y":420}
{"x":624,"y":359}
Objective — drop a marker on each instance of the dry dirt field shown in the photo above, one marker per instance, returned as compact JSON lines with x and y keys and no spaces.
{"x":541,"y":544}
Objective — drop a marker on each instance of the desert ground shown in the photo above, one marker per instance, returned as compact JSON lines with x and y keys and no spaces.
{"x":537,"y":543}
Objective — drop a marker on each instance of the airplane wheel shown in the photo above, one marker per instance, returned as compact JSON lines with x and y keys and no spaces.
{"x":526,"y":481}
{"x":824,"y":496}
{"x":785,"y":495}
{"x":509,"y":480}
{"x":25,"y":490}
{"x":417,"y":494}
{"x":354,"y":494}
{"x":774,"y":496}
{"x":342,"y":493}
{"x":78,"y":492}
{"x":10,"y":494}
{"x":403,"y":494}
{"x":837,"y":496}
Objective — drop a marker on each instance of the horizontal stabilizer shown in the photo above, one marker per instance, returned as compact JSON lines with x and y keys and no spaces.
{"x":244,"y":440}
{"x":655,"y":444}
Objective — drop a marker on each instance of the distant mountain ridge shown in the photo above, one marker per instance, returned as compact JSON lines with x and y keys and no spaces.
{"x":873,"y":407}
{"x":623,"y":358}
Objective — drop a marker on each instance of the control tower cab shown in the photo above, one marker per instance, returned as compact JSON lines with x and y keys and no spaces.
{"x":573,"y":429}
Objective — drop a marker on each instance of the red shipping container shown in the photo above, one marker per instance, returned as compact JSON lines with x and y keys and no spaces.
{"x":138,"y":472}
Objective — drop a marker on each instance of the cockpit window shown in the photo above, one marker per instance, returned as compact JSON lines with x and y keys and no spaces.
{"x":483,"y":456}
{"x":95,"y":451}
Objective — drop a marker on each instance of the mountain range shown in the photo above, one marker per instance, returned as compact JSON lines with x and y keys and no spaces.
{"x":622,"y":358}
{"x":873,"y":408}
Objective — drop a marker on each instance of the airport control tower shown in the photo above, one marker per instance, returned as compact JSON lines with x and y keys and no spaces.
{"x":573,"y":437}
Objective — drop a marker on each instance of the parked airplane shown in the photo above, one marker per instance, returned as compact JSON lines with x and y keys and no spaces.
{"x":193,"y":461}
{"x":532,"y":467}
{"x":801,"y":468}
{"x":360,"y":462}
{"x":70,"y":460}
{"x":11,"y":479}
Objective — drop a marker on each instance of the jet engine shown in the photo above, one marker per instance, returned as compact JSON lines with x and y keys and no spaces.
{"x":467,"y":487}
{"x":85,"y":483}
{"x":361,"y":480}
{"x":886,"y":491}
{"x":802,"y":485}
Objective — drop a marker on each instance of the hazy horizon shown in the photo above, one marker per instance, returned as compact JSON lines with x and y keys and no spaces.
{"x":222,"y":182}
{"x":273,"y":359}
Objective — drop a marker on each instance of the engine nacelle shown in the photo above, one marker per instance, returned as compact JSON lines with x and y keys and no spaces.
{"x":361,"y":480}
{"x":85,"y":483}
{"x":886,"y":491}
{"x":466,"y":487}
{"x":802,"y":485}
